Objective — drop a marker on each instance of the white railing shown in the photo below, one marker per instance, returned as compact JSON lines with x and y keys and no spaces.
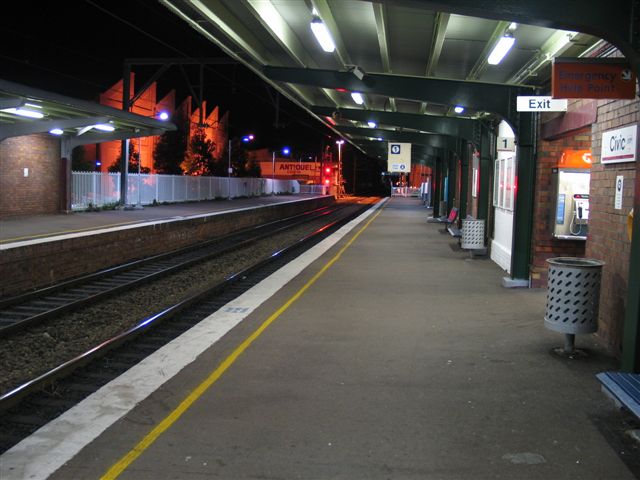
{"x":97,"y":189}
{"x":405,"y":191}
{"x":314,"y":189}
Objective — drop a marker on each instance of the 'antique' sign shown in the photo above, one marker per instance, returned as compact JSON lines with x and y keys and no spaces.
{"x":592,"y":78}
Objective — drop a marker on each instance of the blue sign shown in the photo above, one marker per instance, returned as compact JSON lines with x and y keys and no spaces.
{"x":395,"y":149}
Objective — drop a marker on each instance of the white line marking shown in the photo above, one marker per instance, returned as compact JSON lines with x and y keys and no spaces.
{"x":41,"y":454}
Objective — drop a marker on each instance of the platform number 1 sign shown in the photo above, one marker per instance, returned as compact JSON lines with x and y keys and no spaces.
{"x":506,"y":144}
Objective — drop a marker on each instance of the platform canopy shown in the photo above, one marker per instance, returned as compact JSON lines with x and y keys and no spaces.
{"x":25,"y":110}
{"x":409,"y":59}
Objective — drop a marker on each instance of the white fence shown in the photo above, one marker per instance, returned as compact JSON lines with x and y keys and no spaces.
{"x":96,"y":189}
{"x":405,"y":191}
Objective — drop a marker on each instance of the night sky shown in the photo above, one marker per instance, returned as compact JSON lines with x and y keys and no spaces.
{"x":77,"y":48}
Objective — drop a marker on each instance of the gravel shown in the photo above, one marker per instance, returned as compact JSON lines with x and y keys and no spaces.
{"x":25,"y":355}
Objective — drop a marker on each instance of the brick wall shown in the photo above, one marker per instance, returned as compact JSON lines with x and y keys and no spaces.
{"x":608,"y":239}
{"x":39,"y":192}
{"x":544,"y":245}
{"x":41,"y":264}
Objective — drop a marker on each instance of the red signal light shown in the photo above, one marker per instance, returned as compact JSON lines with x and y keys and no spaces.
{"x":327,"y":170}
{"x":327,"y":181}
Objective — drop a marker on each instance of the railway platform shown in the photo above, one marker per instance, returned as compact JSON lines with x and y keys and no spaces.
{"x":27,"y":228}
{"x":382,"y":353}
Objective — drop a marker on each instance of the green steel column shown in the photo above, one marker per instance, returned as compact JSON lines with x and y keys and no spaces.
{"x":631,"y":337}
{"x":451,"y":174}
{"x":437,"y":187}
{"x":523,"y":213}
{"x":464,"y":178}
{"x":486,"y":172}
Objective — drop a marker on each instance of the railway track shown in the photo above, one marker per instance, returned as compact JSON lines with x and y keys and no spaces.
{"x":25,"y":310}
{"x":36,"y":401}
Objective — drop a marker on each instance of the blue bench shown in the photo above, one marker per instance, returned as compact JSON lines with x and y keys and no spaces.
{"x":624,"y":388}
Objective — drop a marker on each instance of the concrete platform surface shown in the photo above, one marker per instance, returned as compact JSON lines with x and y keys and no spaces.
{"x":402,"y":359}
{"x":15,"y":229}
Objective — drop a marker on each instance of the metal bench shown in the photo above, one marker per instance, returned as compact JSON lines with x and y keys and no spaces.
{"x":624,"y":388}
{"x":453,"y":216}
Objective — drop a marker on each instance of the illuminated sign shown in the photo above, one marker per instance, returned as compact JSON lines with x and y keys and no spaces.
{"x":399,"y":157}
{"x":592,"y":78}
{"x":540,"y":104}
{"x":619,"y":145}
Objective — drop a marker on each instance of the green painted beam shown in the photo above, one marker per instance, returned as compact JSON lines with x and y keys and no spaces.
{"x":381,"y":148}
{"x":464,"y":176}
{"x":487,"y":141}
{"x":616,"y":21}
{"x":429,"y":139}
{"x":523,"y":212}
{"x":455,"y":127}
{"x":488,"y":97}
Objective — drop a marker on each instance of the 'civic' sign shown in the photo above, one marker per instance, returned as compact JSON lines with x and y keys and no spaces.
{"x":541,"y":104}
{"x":619,"y":145}
{"x":592,"y":78}
{"x":399,"y":157}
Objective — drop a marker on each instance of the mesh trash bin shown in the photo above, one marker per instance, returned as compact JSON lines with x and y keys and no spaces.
{"x":472,"y":234}
{"x":573,"y":296}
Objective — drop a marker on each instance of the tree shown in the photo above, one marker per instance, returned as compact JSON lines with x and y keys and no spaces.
{"x":170,"y":152}
{"x":241,"y":163}
{"x":78,"y":161}
{"x":200,"y":159}
{"x":134,"y":158}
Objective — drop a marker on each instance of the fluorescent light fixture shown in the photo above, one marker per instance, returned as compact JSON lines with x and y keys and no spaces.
{"x":104,"y":127}
{"x":458,"y":109}
{"x":23,"y":112}
{"x":372,"y":124}
{"x":322,"y":34}
{"x":501,"y":49}
{"x":56,"y":131}
{"x":357,"y":97}
{"x":32,"y":105}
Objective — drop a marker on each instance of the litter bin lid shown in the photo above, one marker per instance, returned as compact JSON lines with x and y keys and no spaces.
{"x":575,"y":262}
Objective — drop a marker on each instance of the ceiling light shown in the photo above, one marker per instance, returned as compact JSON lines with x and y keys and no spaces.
{"x":104,"y":127}
{"x":372,"y":124}
{"x":163,"y":116}
{"x":56,"y":131}
{"x":23,"y":112}
{"x":458,"y":109}
{"x":357,"y":97}
{"x":501,"y":49}
{"x":33,"y":105}
{"x":379,"y":139}
{"x":322,"y":34}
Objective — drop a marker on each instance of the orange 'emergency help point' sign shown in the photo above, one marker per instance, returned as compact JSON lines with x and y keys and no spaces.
{"x":592,"y":78}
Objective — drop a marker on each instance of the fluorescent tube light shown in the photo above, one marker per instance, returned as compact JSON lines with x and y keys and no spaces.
{"x":501,"y":49}
{"x":357,"y":97}
{"x":322,"y":34}
{"x":104,"y":127}
{"x":56,"y":131}
{"x":23,"y":112}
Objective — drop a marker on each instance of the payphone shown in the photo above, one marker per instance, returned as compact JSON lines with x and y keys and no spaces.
{"x":570,"y":190}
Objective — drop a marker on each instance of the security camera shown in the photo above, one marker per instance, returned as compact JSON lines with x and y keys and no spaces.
{"x":358,"y":72}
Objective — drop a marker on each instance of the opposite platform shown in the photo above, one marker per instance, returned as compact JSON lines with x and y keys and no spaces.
{"x":383,"y":353}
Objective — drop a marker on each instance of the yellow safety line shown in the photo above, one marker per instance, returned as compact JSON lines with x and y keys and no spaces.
{"x":122,"y":464}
